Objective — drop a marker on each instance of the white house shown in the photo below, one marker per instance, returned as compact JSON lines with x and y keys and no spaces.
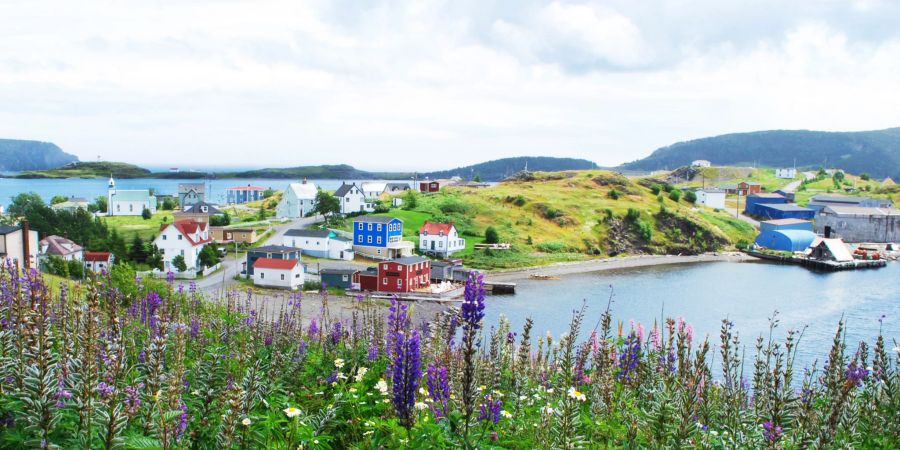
{"x":19,"y":244}
{"x":98,"y":261}
{"x":788,"y":173}
{"x":61,"y":247}
{"x":711,"y":198}
{"x":440,"y":239}
{"x":319,"y":243}
{"x":700,"y":163}
{"x":373,"y":189}
{"x":184,"y":238}
{"x":128,"y":202}
{"x":352,"y":199}
{"x":278,"y":273}
{"x":298,"y":200}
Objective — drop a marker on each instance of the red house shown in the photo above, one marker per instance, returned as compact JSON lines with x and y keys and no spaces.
{"x":746,"y":188}
{"x":429,"y":186}
{"x":404,"y":274}
{"x":367,"y":279}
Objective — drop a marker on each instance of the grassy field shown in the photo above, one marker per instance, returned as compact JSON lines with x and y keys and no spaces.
{"x":826,"y":185}
{"x":572,"y":216}
{"x":128,"y":226}
{"x":717,"y":176}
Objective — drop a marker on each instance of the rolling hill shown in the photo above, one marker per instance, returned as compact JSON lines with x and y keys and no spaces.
{"x":18,"y":155}
{"x":500,"y":169}
{"x":98,"y":169}
{"x":874,"y":152}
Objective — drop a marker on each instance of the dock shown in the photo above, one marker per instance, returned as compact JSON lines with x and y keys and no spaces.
{"x":500,"y":288}
{"x":821,"y":265}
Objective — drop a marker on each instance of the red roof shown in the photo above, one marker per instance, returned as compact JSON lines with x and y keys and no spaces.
{"x":436,"y":228}
{"x":246,"y":188}
{"x":272,"y":263}
{"x":187,"y":228}
{"x":97,"y":256}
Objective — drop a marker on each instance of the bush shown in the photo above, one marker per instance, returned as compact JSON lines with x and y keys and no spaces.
{"x":690,"y":197}
{"x":222,"y":220}
{"x":742,"y":244}
{"x":613,"y":194}
{"x":58,"y":266}
{"x":179,"y":263}
{"x":410,"y":200}
{"x":146,"y":214}
{"x":645,"y":229}
{"x":491,"y":236}
{"x":656,"y":189}
{"x":552,"y":247}
{"x":453,"y":206}
{"x":168,"y":204}
{"x":607,"y":214}
{"x":864,"y":176}
{"x":520,"y":200}
{"x":675,"y":195}
{"x":632,"y":215}
{"x":76,"y":269}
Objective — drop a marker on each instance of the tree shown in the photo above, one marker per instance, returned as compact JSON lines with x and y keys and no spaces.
{"x":101,"y":204}
{"x":690,"y":197}
{"x":261,"y":214}
{"x":864,"y":176}
{"x":146,"y":214}
{"x":220,"y":220}
{"x":138,"y":251}
{"x":154,"y":257}
{"x":268,"y":193}
{"x":179,"y":264}
{"x":410,"y":200}
{"x":327,"y":205}
{"x":58,"y":266}
{"x":209,"y":255}
{"x":116,"y":245}
{"x":477,"y":178}
{"x":656,"y":189}
{"x":168,"y":204}
{"x":76,"y":269}
{"x":491,"y":236}
{"x":57,"y":199}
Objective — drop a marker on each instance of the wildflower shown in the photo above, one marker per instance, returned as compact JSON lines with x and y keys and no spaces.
{"x":575,"y":394}
{"x":420,"y":406}
{"x":352,"y":390}
{"x":406,"y":369}
{"x":246,"y":422}
{"x":506,"y":414}
{"x":771,"y":432}
{"x":438,"y":389}
{"x":547,"y":410}
{"x":339,"y":363}
{"x":382,"y":386}
{"x":856,"y":375}
{"x":360,"y":373}
{"x":291,"y":412}
{"x":490,"y":410}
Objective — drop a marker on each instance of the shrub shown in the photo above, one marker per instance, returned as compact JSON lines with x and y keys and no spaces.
{"x":179,"y":264}
{"x":690,"y":197}
{"x":146,"y":214}
{"x":645,"y":229}
{"x":656,"y":189}
{"x":613,"y":194}
{"x":453,"y":206}
{"x":632,"y":215}
{"x":742,"y":244}
{"x":76,"y":269}
{"x":864,"y":176}
{"x":607,"y":214}
{"x":552,"y":247}
{"x":491,"y":236}
{"x":675,"y":195}
{"x":520,"y":200}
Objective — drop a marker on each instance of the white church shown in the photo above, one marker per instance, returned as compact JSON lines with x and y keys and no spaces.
{"x":121,"y":202}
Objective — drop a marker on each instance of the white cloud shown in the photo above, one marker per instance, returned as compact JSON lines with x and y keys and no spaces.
{"x":282,"y":83}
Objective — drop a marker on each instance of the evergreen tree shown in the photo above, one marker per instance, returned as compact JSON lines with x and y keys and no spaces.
{"x":138,"y":251}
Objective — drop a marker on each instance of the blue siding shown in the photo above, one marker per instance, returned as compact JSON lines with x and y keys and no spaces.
{"x":337,"y":280}
{"x":754,"y":201}
{"x":376,"y":234}
{"x":777,"y":213}
{"x":242,"y":196}
{"x":786,"y":240}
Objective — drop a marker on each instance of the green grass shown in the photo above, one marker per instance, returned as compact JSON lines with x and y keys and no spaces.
{"x":717,"y":176}
{"x":128,"y":226}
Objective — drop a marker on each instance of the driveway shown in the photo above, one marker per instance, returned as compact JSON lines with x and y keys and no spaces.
{"x":231,"y":266}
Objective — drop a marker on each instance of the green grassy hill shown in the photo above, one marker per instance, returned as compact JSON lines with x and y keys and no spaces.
{"x":98,"y":169}
{"x":570,"y":216}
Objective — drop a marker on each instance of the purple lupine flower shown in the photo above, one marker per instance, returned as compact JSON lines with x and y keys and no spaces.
{"x":407,"y":370}
{"x":133,"y":398}
{"x":170,"y":277}
{"x":438,"y":389}
{"x":268,"y":339}
{"x":490,"y":410}
{"x":771,"y":432}
{"x":332,"y":378}
{"x":373,"y":352}
{"x":62,"y":394}
{"x":628,"y":359}
{"x":313,"y":329}
{"x":195,"y":328}
{"x":182,"y":421}
{"x":856,"y":375}
{"x":105,"y":390}
{"x":510,"y":338}
{"x":472,"y":308}
{"x":336,"y":333}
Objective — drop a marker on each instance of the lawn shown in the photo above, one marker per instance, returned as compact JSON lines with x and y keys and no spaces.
{"x":128,"y":226}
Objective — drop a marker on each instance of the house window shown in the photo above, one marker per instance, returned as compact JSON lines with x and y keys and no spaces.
{"x":359,"y":226}
{"x":370,"y":227}
{"x":379,"y":227}
{"x":297,"y":276}
{"x":385,"y":266}
{"x":262,"y":275}
{"x":359,"y":239}
{"x":384,"y":281}
{"x":369,"y":240}
{"x":179,"y":237}
{"x":282,"y":277}
{"x":379,"y":240}
{"x":130,"y":208}
{"x":164,"y":237}
{"x":399,"y":283}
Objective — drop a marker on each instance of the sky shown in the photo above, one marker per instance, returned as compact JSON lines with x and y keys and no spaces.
{"x":391,"y":85}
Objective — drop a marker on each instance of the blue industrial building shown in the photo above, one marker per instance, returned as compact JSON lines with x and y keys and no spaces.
{"x":786,"y":240}
{"x":783,"y":211}
{"x":377,"y":231}
{"x":272,"y":252}
{"x":753,"y":202}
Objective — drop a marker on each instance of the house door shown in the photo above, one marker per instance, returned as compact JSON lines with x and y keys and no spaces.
{"x":432,"y":245}
{"x":827,"y":232}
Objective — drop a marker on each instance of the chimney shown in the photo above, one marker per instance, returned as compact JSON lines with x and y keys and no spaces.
{"x":26,"y":245}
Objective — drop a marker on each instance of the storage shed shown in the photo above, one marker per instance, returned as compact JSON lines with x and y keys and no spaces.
{"x":339,"y":278}
{"x":755,"y":200}
{"x":784,"y":211}
{"x":786,"y":240}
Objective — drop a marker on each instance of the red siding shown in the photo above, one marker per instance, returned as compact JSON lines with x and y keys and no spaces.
{"x":394,"y":277}
{"x":429,"y":186}
{"x":367,"y":282}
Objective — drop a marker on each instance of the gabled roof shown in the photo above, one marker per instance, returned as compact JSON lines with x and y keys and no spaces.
{"x":844,"y":199}
{"x":373,"y":186}
{"x":97,"y":256}
{"x":306,"y":191}
{"x":274,"y":249}
{"x":338,"y":271}
{"x":308,"y":233}
{"x":187,"y":228}
{"x":842,"y":210}
{"x":344,"y":189}
{"x":272,"y":263}
{"x":375,"y":219}
{"x":784,"y":206}
{"x":436,"y":228}
{"x":396,"y":186}
{"x":59,"y":246}
{"x":184,"y":188}
{"x":409,"y":260}
{"x":197,"y":208}
{"x":837,"y":247}
{"x":6,"y":229}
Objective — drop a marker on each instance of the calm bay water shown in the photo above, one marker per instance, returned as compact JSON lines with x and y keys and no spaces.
{"x":91,"y":188}
{"x":705,"y":293}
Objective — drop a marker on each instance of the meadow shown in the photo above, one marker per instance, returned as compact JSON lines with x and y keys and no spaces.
{"x":124,"y":364}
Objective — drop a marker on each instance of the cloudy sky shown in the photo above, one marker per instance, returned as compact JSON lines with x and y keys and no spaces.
{"x":427,"y":85}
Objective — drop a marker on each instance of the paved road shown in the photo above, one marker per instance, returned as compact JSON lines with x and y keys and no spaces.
{"x":792,"y":186}
{"x":231,"y":266}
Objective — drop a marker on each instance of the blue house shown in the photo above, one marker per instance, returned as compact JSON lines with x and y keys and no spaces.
{"x":243,"y":194}
{"x":783,"y":211}
{"x":380,"y":237}
{"x":755,"y":200}
{"x":339,"y":278}
{"x":376,"y":231}
{"x":272,"y":252}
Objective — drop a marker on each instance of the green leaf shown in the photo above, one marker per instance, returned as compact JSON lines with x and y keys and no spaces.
{"x":142,"y":443}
